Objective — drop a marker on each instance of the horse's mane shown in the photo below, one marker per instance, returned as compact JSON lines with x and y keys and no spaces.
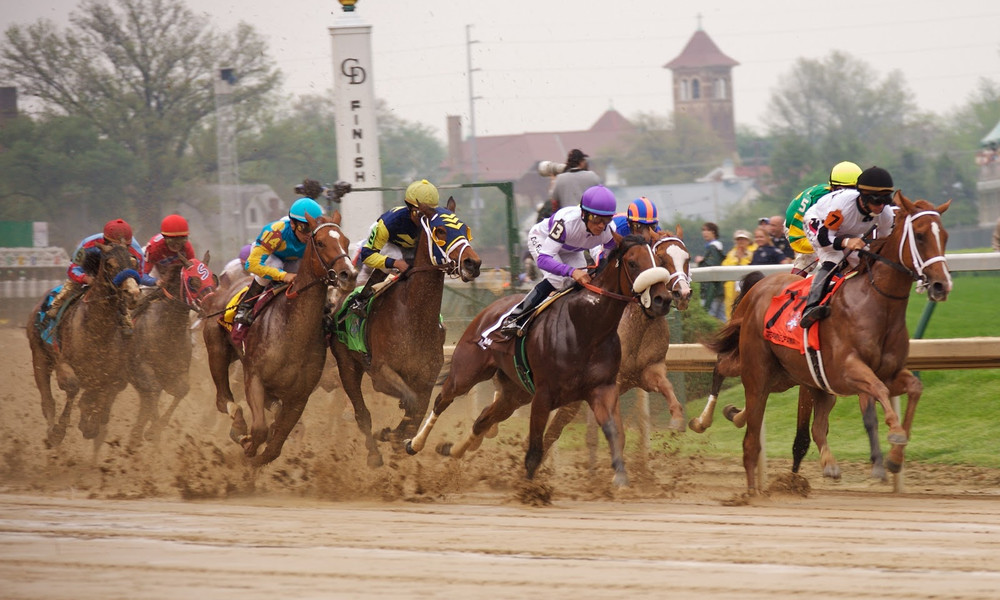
{"x":627,"y":242}
{"x":898,"y":219}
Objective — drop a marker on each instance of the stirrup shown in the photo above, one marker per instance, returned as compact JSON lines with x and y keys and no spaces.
{"x":243,"y":316}
{"x":816,"y":313}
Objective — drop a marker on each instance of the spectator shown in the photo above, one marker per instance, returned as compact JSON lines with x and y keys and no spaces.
{"x":775,"y":228}
{"x":741,"y":254}
{"x":570,"y":185}
{"x":711,"y":291}
{"x":766,"y":253}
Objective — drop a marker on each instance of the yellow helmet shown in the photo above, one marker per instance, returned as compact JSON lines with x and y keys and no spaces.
{"x":422,"y":192}
{"x":845,"y":174}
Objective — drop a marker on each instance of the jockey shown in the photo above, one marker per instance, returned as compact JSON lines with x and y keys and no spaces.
{"x":235,"y":268}
{"x":87,"y":258}
{"x":835,"y":226}
{"x":559,"y":245}
{"x":275,"y":253}
{"x":167,"y":247}
{"x":640,"y":219}
{"x":844,"y":175}
{"x":394,"y":235}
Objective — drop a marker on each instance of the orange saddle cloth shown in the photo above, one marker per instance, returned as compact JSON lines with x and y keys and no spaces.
{"x":781,"y":321}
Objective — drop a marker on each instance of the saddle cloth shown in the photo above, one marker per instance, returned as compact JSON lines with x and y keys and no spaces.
{"x":781,"y":321}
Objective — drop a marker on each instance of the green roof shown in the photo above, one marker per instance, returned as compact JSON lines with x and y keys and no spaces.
{"x":993,"y":137}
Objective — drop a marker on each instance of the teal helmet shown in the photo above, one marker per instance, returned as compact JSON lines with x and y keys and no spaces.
{"x":305,"y":206}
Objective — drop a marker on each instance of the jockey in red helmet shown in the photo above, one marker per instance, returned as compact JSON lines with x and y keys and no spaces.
{"x":166,"y":247}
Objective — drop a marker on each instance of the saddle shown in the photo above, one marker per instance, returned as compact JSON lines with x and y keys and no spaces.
{"x":48,"y":327}
{"x":227,"y":316}
{"x":781,"y":320}
{"x":493,"y":338}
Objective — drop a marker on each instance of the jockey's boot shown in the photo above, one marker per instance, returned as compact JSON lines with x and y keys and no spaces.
{"x":68,"y":289}
{"x":514,"y":322}
{"x":812,"y":311}
{"x":244,"y":312}
{"x":359,"y":304}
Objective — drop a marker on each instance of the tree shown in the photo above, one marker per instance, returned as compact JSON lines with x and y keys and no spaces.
{"x":142,"y":73}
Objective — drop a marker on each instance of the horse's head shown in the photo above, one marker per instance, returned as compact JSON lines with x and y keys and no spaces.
{"x":922,"y":241}
{"x":449,"y":241}
{"x":330,"y":245}
{"x":672,"y":255}
{"x":638,"y":273}
{"x":197,"y":281}
{"x":118,"y":272}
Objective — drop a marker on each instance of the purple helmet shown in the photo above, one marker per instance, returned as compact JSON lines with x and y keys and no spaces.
{"x":245,"y":252}
{"x":599,"y":200}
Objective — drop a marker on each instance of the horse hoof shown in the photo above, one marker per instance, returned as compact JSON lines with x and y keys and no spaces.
{"x":676,"y":425}
{"x":893,"y":466}
{"x":236,"y":436}
{"x":878,"y":472}
{"x":695,"y":426}
{"x":898,"y":438}
{"x":832,"y":472}
{"x":620,"y":480}
{"x":492,"y":431}
{"x":444,"y":448}
{"x":385,"y":435}
{"x":55,"y":436}
{"x":408,"y":445}
{"x":374,"y":461}
{"x":730,"y":412}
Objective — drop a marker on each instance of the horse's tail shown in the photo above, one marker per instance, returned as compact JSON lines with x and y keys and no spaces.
{"x":727,"y":339}
{"x":748,"y":281}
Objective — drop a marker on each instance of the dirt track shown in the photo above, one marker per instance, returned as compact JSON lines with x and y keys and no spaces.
{"x":185,"y":518}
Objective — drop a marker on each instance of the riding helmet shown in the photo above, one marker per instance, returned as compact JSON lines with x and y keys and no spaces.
{"x":875,"y":180}
{"x":643,"y":211}
{"x":118,"y":231}
{"x":421,"y":192}
{"x":599,"y":200}
{"x":174,"y":226}
{"x":305,"y":206}
{"x":845,"y":174}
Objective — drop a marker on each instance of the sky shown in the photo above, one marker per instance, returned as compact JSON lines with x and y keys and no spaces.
{"x":551,"y":65}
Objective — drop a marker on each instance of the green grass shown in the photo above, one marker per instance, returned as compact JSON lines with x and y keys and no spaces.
{"x":955,"y":420}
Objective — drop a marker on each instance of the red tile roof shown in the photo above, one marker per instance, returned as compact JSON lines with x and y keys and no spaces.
{"x":700,"y":51}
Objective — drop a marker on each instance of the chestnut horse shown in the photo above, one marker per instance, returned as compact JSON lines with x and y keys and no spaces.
{"x":869,"y":416}
{"x":160,"y":346}
{"x":572,"y":349}
{"x":285,"y":348}
{"x":405,"y":337}
{"x":90,"y":350}
{"x":864,"y":341}
{"x":645,"y":340}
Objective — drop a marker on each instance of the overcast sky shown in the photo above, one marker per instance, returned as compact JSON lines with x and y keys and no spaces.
{"x":548,"y":65}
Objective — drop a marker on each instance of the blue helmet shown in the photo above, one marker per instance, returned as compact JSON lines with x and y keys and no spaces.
{"x":305,"y":206}
{"x":643,"y":211}
{"x":599,"y":200}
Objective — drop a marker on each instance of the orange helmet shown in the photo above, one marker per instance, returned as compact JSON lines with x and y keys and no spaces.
{"x":174,"y":226}
{"x":118,"y":231}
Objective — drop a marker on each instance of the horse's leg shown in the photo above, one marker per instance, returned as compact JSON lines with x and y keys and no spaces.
{"x":822,"y":405}
{"x":908,"y":383}
{"x":287,"y":417}
{"x":869,"y":415}
{"x":800,"y":446}
{"x":506,"y":399}
{"x":455,"y":384}
{"x":703,"y":421}
{"x":220,"y":356}
{"x":654,"y":379}
{"x":90,"y":414}
{"x":392,"y":384}
{"x":604,"y":403}
{"x":541,"y":407}
{"x":256,"y":397}
{"x":351,"y":374}
{"x":861,"y":377}
{"x":42,"y":364}
{"x":563,"y":417}
{"x":752,"y":415}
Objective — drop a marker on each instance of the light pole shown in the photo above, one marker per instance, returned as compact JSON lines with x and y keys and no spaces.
{"x":230,"y":215}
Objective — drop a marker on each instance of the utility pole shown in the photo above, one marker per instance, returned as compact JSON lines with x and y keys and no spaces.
{"x":477,"y":202}
{"x":230,"y":215}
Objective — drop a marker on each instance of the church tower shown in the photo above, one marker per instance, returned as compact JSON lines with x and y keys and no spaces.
{"x":703,"y":86}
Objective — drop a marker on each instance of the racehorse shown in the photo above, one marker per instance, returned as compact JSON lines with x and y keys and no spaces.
{"x":87,"y":349}
{"x":285,"y":348}
{"x":864,"y":341}
{"x":645,"y":340}
{"x":831,"y":469}
{"x":405,"y":338}
{"x":572,"y":352}
{"x":160,"y":346}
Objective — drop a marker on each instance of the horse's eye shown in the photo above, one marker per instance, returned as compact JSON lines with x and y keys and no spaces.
{"x":440,"y":236}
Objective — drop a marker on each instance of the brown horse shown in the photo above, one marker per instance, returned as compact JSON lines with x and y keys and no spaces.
{"x":831,"y":469}
{"x":404,"y":333}
{"x":645,"y":340}
{"x":90,"y":351}
{"x":864,"y":342}
{"x":285,"y":348}
{"x":572,"y":350}
{"x":160,"y":346}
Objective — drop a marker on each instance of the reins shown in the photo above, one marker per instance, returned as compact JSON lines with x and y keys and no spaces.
{"x":915,"y":274}
{"x":327,"y":278}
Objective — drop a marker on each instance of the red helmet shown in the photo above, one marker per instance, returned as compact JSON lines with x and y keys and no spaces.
{"x":118,"y":231}
{"x":174,"y":226}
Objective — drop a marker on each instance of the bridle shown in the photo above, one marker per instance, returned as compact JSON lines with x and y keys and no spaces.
{"x":907,"y":239}
{"x":330,"y":276}
{"x":640,"y":280}
{"x":445,"y":263}
{"x":679,"y":275}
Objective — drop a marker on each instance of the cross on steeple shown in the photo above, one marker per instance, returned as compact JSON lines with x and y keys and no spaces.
{"x":699,"y":21}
